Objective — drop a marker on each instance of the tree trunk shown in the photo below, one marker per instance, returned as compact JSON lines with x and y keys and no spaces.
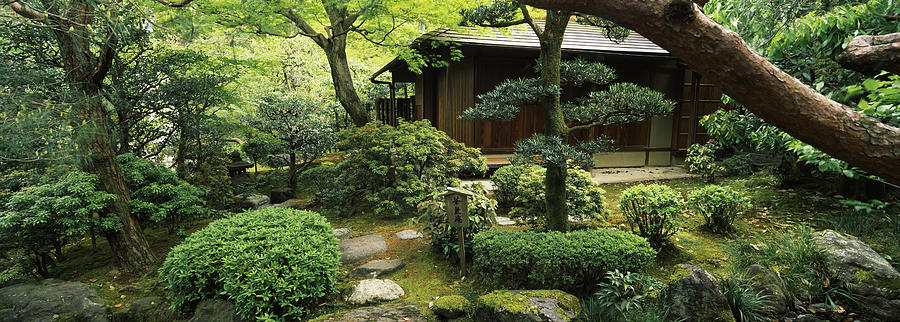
{"x":292,"y":169}
{"x":342,"y":77}
{"x":555,"y":125}
{"x":872,"y":54}
{"x":720,"y":54}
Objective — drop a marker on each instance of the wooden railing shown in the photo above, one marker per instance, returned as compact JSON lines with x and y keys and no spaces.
{"x":389,"y":113}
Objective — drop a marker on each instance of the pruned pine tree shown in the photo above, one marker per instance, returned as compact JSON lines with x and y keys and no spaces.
{"x":620,"y":103}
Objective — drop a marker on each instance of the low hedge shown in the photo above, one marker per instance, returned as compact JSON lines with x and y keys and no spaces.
{"x":572,"y":262}
{"x":274,"y":263}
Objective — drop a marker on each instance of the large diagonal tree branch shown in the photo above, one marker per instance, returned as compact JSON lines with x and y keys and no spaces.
{"x":720,"y":54}
{"x":872,"y":54}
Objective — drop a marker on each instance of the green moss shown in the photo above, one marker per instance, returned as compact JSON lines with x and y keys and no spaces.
{"x":454,"y":303}
{"x":504,"y":300}
{"x":568,"y":301}
{"x":868,"y":277}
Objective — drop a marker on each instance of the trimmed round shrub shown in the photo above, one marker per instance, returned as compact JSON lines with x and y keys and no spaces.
{"x":718,"y":205}
{"x":507,"y":181}
{"x":445,"y":239}
{"x":274,"y":262}
{"x":572,"y":262}
{"x":584,"y":197}
{"x":652,"y":211}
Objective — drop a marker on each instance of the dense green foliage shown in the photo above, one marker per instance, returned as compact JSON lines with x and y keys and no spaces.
{"x":274,"y":264}
{"x":623,"y":293}
{"x":792,"y":254}
{"x":701,"y":158}
{"x":748,"y":302}
{"x":445,"y":239}
{"x":390,"y":170}
{"x":43,"y":218}
{"x":718,"y":205}
{"x":737,"y":165}
{"x":556,"y":260}
{"x":652,"y":211}
{"x":584,"y":197}
{"x":507,"y":181}
{"x":158,"y":197}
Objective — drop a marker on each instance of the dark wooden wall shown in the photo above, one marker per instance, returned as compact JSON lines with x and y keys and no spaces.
{"x":699,"y":97}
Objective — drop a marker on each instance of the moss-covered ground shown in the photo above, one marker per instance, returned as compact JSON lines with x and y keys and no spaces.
{"x":427,"y":275}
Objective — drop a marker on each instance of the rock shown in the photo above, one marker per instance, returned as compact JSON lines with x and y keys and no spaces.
{"x":215,"y":310}
{"x":697,"y":297}
{"x":543,"y":305}
{"x":280,"y":195}
{"x":148,"y":309}
{"x":293,"y":204}
{"x":375,"y":290}
{"x":360,"y":248}
{"x":504,"y":221}
{"x":377,"y":268}
{"x":450,"y":307}
{"x":772,"y":285}
{"x":409,"y":234}
{"x":49,"y":300}
{"x":343,"y":233}
{"x":254,"y":202}
{"x":383,"y":313}
{"x":870,"y":277}
{"x":575,"y":220}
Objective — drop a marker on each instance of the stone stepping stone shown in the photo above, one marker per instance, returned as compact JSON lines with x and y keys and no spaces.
{"x":358,"y":249}
{"x":505,"y":221}
{"x":375,"y":290}
{"x":382,"y":313}
{"x":573,"y":219}
{"x":409,"y":234}
{"x":377,"y":268}
{"x":343,"y":233}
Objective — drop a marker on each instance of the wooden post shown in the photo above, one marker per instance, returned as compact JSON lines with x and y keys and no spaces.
{"x":457,"y":203}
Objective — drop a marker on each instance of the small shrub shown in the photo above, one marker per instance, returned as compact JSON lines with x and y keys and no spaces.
{"x":555,"y":260}
{"x":748,"y":303}
{"x":445,"y":239}
{"x":737,"y":165}
{"x":584,"y":197}
{"x":316,"y":179}
{"x":507,"y":182}
{"x":701,"y":158}
{"x":718,"y":205}
{"x":389,"y":170}
{"x":652,"y":211}
{"x":158,"y":197}
{"x":274,"y":263}
{"x":623,"y":293}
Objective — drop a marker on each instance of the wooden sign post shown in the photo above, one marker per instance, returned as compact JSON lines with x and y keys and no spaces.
{"x":457,"y":203}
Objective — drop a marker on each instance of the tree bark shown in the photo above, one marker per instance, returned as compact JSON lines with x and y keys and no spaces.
{"x":551,"y":39}
{"x":292,"y":168}
{"x":872,"y":54}
{"x":720,"y":54}
{"x":342,"y":77}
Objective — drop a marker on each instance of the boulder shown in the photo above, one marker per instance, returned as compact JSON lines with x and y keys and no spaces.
{"x":49,"y":300}
{"x":408,"y":234}
{"x":504,"y":221}
{"x":254,"y":202}
{"x":696,"y":296}
{"x":343,"y":233}
{"x":280,"y":195}
{"x":361,"y":248}
{"x":377,"y":268}
{"x":383,"y":313}
{"x":375,"y":290}
{"x":215,"y":310}
{"x":293,"y":204}
{"x":772,"y":285}
{"x":450,"y":307}
{"x":542,"y":305}
{"x":870,"y":277}
{"x":148,"y":309}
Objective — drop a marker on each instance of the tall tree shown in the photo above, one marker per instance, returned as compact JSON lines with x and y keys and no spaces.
{"x":621,"y":104}
{"x":330,"y":24}
{"x":87,"y":35}
{"x":705,"y":46}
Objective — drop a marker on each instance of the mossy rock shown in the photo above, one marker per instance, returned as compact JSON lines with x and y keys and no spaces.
{"x":539,"y":305}
{"x":697,"y":296}
{"x":451,"y":307}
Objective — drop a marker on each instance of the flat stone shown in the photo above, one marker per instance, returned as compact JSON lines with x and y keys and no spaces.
{"x":575,"y":220}
{"x":50,"y":300}
{"x":293,"y":203}
{"x":343,"y":233}
{"x":375,"y":290}
{"x":358,"y":249}
{"x":409,"y":234}
{"x":382,"y":313}
{"x":377,"y":268}
{"x":256,"y":202}
{"x":505,"y":221}
{"x":215,"y":310}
